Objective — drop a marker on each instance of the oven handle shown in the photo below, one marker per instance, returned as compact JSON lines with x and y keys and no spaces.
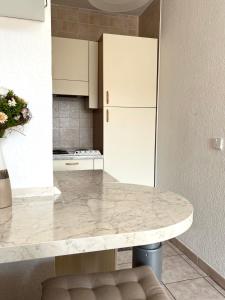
{"x":72,"y":164}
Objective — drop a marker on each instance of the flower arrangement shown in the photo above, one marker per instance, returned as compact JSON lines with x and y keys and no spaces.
{"x":13,"y":111}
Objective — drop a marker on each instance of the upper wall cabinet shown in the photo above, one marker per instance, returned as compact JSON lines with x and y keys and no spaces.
{"x":75,"y":68}
{"x":23,"y":9}
{"x":70,"y":66}
{"x":70,"y":59}
{"x":129,"y":66}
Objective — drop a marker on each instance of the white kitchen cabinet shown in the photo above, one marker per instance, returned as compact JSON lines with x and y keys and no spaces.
{"x":129,"y":144}
{"x":129,"y":76}
{"x":70,"y":66}
{"x":70,"y":59}
{"x":69,"y":87}
{"x":93,"y":74}
{"x":75,"y":68}
{"x":23,"y":9}
{"x":98,"y":164}
{"x":124,"y":126}
{"x":73,"y":165}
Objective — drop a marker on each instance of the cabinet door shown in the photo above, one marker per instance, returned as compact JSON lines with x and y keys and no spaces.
{"x":98,"y":164}
{"x":129,"y":144}
{"x":23,"y":9}
{"x":70,"y":87}
{"x":130,"y":71}
{"x":93,"y":74}
{"x":69,"y":59}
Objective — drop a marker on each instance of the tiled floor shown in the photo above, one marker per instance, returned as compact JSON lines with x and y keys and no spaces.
{"x":181,"y":278}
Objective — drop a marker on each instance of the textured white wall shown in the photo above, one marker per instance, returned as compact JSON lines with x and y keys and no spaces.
{"x":25,"y":67}
{"x":191,"y":112}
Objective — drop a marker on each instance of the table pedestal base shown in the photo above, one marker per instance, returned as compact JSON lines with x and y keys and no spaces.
{"x":149,"y":255}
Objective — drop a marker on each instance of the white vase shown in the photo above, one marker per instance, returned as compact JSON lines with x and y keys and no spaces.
{"x":5,"y":186}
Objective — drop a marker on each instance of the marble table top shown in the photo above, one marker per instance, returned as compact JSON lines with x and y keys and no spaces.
{"x":94,"y":212}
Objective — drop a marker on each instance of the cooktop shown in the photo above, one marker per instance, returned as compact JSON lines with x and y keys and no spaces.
{"x":78,"y":152}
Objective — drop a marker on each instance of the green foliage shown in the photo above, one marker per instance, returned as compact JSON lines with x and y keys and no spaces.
{"x":16,"y":110}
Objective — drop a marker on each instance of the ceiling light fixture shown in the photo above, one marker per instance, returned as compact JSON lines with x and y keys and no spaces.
{"x":118,"y":5}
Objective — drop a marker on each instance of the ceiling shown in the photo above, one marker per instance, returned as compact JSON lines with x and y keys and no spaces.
{"x":86,"y":4}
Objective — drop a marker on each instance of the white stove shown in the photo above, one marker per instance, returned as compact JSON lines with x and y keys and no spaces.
{"x":79,"y":153}
{"x":87,"y":153}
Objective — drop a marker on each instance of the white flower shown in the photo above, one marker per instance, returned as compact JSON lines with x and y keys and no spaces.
{"x":17,"y":117}
{"x":25,"y":112}
{"x":3,"y":118}
{"x":12,"y":102}
{"x":3,"y":91}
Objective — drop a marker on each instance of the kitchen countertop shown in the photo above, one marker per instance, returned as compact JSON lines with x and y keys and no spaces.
{"x":94,"y":212}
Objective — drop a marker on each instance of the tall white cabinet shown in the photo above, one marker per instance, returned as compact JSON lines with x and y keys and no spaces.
{"x":127,"y":89}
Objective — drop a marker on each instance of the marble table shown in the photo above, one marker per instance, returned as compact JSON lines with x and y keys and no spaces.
{"x":93,"y":213}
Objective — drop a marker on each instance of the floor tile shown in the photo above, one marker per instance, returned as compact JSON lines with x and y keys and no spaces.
{"x":175,"y":268}
{"x":169,"y":294}
{"x":216,"y":286}
{"x":194,"y":266}
{"x":168,"y":250}
{"x":197,"y":289}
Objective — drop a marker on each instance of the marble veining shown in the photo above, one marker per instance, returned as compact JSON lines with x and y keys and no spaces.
{"x":94,"y":212}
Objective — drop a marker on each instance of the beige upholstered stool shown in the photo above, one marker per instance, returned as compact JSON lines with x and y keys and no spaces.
{"x":132,"y":284}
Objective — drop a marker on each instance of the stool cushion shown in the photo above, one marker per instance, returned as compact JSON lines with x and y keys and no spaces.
{"x":131,"y":284}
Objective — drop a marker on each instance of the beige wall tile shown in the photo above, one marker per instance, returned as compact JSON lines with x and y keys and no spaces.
{"x":132,"y":22}
{"x":149,"y":21}
{"x":83,"y":31}
{"x":72,"y":122}
{"x":83,"y":17}
{"x":61,"y":13}
{"x":105,"y":20}
{"x":72,"y":22}
{"x":95,"y":19}
{"x":72,"y":14}
{"x":132,"y":32}
{"x":54,"y":12}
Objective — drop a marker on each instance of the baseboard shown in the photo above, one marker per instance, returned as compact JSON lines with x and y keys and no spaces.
{"x":199,"y":262}
{"x":35,"y":192}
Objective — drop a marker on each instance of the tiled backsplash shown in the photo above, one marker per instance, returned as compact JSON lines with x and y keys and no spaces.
{"x":72,"y":123}
{"x":86,"y":24}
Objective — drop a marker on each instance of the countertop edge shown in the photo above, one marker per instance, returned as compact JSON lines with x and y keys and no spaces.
{"x":97,"y":243}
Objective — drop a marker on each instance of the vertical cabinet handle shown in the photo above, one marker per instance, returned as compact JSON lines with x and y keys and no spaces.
{"x":107,"y":116}
{"x":107,"y":97}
